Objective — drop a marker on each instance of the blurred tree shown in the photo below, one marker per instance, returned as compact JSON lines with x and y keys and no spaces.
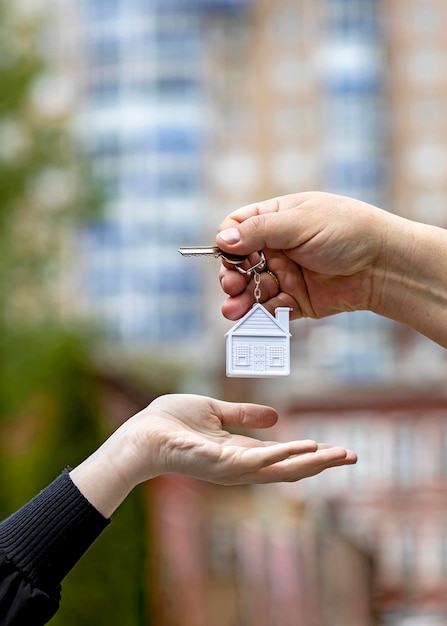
{"x":49,"y":414}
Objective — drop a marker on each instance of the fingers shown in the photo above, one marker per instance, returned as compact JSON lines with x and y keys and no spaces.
{"x":235,"y":308}
{"x":299,"y":466}
{"x":233,"y":283}
{"x":320,"y":456}
{"x":274,"y":452}
{"x":240,"y":288}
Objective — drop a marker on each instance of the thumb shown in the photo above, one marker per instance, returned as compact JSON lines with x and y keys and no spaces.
{"x":247,"y":415}
{"x":270,"y":224}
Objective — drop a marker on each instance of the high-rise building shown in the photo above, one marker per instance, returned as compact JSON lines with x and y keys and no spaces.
{"x":308,"y":113}
{"x":145,"y":124}
{"x":393,"y":503}
{"x":192,"y":108}
{"x":321,"y":100}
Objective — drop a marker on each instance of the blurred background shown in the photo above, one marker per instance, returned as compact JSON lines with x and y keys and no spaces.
{"x":129,"y":128}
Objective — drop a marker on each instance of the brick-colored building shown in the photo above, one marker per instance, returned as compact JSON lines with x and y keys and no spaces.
{"x":242,"y":555}
{"x":363,"y":545}
{"x":393,"y":503}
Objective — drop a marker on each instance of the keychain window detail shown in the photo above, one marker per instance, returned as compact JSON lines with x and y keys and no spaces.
{"x":276,"y":356}
{"x":241,"y":356}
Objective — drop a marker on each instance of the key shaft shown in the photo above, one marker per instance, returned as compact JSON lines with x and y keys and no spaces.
{"x":214,"y":251}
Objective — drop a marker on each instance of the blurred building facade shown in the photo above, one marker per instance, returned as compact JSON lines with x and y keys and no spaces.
{"x":393,"y":506}
{"x":234,"y":556}
{"x":320,"y":100}
{"x":362,"y":546}
{"x":145,"y":123}
{"x":190,"y":109}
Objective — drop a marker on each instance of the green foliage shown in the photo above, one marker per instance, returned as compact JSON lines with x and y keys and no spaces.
{"x":49,"y":416}
{"x":47,"y":407}
{"x":49,"y":419}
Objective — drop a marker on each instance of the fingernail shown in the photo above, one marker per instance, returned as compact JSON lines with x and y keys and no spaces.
{"x":231,"y":235}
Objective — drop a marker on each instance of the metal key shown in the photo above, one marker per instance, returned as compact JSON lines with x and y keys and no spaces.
{"x":214,"y":251}
{"x":234,"y":259}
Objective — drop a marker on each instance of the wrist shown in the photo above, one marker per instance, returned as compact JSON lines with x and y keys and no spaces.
{"x":392,"y":266}
{"x":108,"y":475}
{"x":409,"y":277}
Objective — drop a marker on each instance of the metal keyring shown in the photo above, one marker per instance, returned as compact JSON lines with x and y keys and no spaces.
{"x":262,"y":263}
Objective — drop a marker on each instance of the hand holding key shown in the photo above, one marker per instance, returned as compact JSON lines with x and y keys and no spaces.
{"x":332,"y":254}
{"x":321,"y":247}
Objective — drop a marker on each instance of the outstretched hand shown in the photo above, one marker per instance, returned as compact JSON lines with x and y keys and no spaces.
{"x":192,"y":440}
{"x":186,"y":434}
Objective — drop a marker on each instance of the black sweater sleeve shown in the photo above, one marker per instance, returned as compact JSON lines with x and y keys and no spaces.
{"x":39,"y":545}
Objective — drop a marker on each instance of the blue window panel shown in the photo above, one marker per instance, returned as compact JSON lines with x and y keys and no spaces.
{"x":361,"y":76}
{"x":137,"y":184}
{"x":104,"y":145}
{"x":101,"y":10}
{"x":144,"y":142}
{"x":106,"y":234}
{"x":177,"y":45}
{"x":355,"y":116}
{"x":188,"y":235}
{"x":103,"y":282}
{"x":112,"y":236}
{"x":104,"y":92}
{"x":177,"y":234}
{"x":218,"y":4}
{"x":131,"y":8}
{"x":174,"y":184}
{"x":367,"y":27}
{"x":180,"y":325}
{"x":104,"y":51}
{"x":145,"y":281}
{"x":201,"y":5}
{"x":362,"y":366}
{"x":150,"y":184}
{"x":106,"y":179}
{"x":178,"y":139}
{"x":361,"y":320}
{"x":357,"y":17}
{"x":177,"y":89}
{"x":102,"y":235}
{"x":179,"y":280}
{"x":347,"y":84}
{"x":351,"y":173}
{"x":371,"y":195}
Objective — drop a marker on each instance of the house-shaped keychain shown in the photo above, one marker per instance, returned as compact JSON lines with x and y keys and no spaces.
{"x":259,"y":344}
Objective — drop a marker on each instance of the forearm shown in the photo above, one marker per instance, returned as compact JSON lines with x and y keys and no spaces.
{"x":39,"y":545}
{"x":410,"y":284}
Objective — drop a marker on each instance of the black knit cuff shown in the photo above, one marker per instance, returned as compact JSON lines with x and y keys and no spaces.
{"x":47,"y":536}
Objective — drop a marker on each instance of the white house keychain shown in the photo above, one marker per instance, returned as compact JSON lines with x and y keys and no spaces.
{"x":258,"y":345}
